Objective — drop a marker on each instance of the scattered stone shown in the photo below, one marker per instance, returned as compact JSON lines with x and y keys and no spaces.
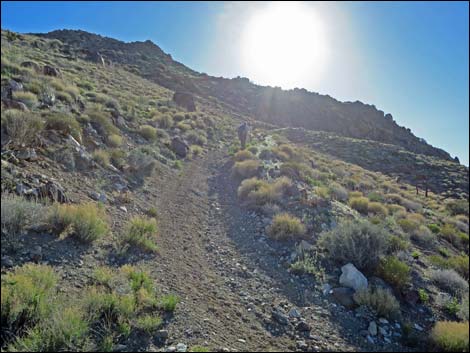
{"x":28,"y":154}
{"x":303,"y":326}
{"x":294,"y":313}
{"x":418,"y":327}
{"x":372,"y":328}
{"x":179,"y":146}
{"x":280,"y":317}
{"x":7,"y":261}
{"x":181,"y":347}
{"x":51,"y":71}
{"x":36,"y":254}
{"x":123,"y":208}
{"x":383,"y":321}
{"x":326,"y":288}
{"x":162,"y":334}
{"x":351,"y":277}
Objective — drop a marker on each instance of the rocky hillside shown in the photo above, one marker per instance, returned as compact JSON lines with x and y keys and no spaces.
{"x":132,"y":220}
{"x":292,"y":108}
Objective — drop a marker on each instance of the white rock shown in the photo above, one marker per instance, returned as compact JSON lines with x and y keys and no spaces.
{"x":351,"y":277}
{"x":372,"y":328}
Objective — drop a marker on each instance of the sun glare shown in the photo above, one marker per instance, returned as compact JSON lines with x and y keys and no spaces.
{"x":283,"y":43}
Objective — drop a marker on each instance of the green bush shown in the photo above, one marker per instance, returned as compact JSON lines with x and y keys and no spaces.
{"x":141,"y":232}
{"x":358,"y":242}
{"x":114,"y":140}
{"x":148,"y":132}
{"x":377,"y":208}
{"x":246,"y":169}
{"x":360,"y":204}
{"x":28,"y":98}
{"x":19,"y":213}
{"x":87,"y":222}
{"x":380,"y":300}
{"x":256,"y":193}
{"x":21,"y":127}
{"x":394,"y":271}
{"x":149,"y":323}
{"x":168,"y":302}
{"x":284,"y":227}
{"x":64,"y":123}
{"x":451,"y":336}
{"x":101,"y":157}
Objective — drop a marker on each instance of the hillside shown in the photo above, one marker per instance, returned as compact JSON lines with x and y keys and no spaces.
{"x":293,"y":108}
{"x":133,"y":221}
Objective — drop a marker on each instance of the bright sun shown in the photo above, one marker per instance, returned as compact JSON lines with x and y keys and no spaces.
{"x":282,"y":44}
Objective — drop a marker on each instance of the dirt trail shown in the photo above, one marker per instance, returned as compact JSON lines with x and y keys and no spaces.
{"x":227,"y":278}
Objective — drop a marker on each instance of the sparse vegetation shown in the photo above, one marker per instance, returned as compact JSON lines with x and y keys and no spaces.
{"x":451,"y":336}
{"x":141,"y":232}
{"x":284,"y":227}
{"x":358,"y":242}
{"x":246,"y":169}
{"x":394,"y":271}
{"x":379,"y":300}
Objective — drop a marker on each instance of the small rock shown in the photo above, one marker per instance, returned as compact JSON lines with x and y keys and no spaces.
{"x":383,"y":321}
{"x":419,"y":328}
{"x":36,"y":253}
{"x":302,"y":326}
{"x":7,"y":261}
{"x":326,"y":288}
{"x":344,"y":296}
{"x":280,"y":317}
{"x":123,"y":208}
{"x":162,"y":334}
{"x":294,"y":313}
{"x":351,"y":277}
{"x":181,"y":347}
{"x":372,"y":328}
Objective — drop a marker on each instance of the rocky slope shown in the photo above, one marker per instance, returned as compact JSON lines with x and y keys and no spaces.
{"x":293,"y":108}
{"x":82,"y":133}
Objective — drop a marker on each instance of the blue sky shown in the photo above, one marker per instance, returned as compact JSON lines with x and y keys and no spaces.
{"x":409,"y":59}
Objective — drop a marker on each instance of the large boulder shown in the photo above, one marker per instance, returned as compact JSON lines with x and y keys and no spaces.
{"x":185,"y":100}
{"x":179,"y":146}
{"x":351,"y":277}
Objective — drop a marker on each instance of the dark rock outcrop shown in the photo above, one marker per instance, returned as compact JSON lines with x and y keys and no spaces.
{"x":185,"y":100}
{"x":179,"y":146}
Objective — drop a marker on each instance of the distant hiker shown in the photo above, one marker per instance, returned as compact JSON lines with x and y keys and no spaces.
{"x":243,"y":130}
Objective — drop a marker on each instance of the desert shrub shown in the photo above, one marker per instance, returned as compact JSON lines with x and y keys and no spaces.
{"x":149,"y":323}
{"x":423,"y":236}
{"x":463,"y":312}
{"x":256,"y":193}
{"x":397,"y":243}
{"x":180,"y":117}
{"x":148,"y":132}
{"x":354,"y":194}
{"x":183,"y":126}
{"x":450,"y":233}
{"x":457,"y":207}
{"x":461,"y":226}
{"x":394,"y":208}
{"x":460,"y":264}
{"x":196,"y":150}
{"x":168,"y":302}
{"x":306,"y":264}
{"x":87,"y":222}
{"x":338,"y":192}
{"x":450,"y":281}
{"x":360,"y":204}
{"x":359,"y":242}
{"x":64,"y":97}
{"x":411,"y":205}
{"x":246,"y":169}
{"x":117,"y":157}
{"x":101,"y":157}
{"x":243,"y":156}
{"x":114,"y":140}
{"x":164,"y":121}
{"x":21,"y":127}
{"x":375,"y":197}
{"x":286,"y":152}
{"x":28,"y":98}
{"x":141,"y":232}
{"x":377,"y":208}
{"x":19,"y":213}
{"x":394,"y":271}
{"x":64,"y":123}
{"x":141,"y":164}
{"x":102,"y":122}
{"x":284,"y":227}
{"x":25,"y":296}
{"x":423,"y":295}
{"x":408,"y":225}
{"x":196,"y":138}
{"x":380,"y":300}
{"x":394,"y":198}
{"x":451,"y":336}
{"x":434,"y":228}
{"x":296,"y":170}
{"x":73,"y":92}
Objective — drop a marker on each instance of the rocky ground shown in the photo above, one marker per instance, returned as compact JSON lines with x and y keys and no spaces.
{"x":235,"y":290}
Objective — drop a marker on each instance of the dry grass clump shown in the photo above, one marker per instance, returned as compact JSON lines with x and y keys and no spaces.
{"x":21,"y":127}
{"x":451,"y":336}
{"x":380,"y":300}
{"x":376,"y":208}
{"x":360,"y":204}
{"x":450,"y":281}
{"x":257,"y":193}
{"x":285,"y":227}
{"x":19,"y":213}
{"x":246,"y":169}
{"x":243,"y":155}
{"x":394,"y":271}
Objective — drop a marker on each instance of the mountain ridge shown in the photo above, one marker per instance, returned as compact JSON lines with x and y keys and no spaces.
{"x":296,"y":107}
